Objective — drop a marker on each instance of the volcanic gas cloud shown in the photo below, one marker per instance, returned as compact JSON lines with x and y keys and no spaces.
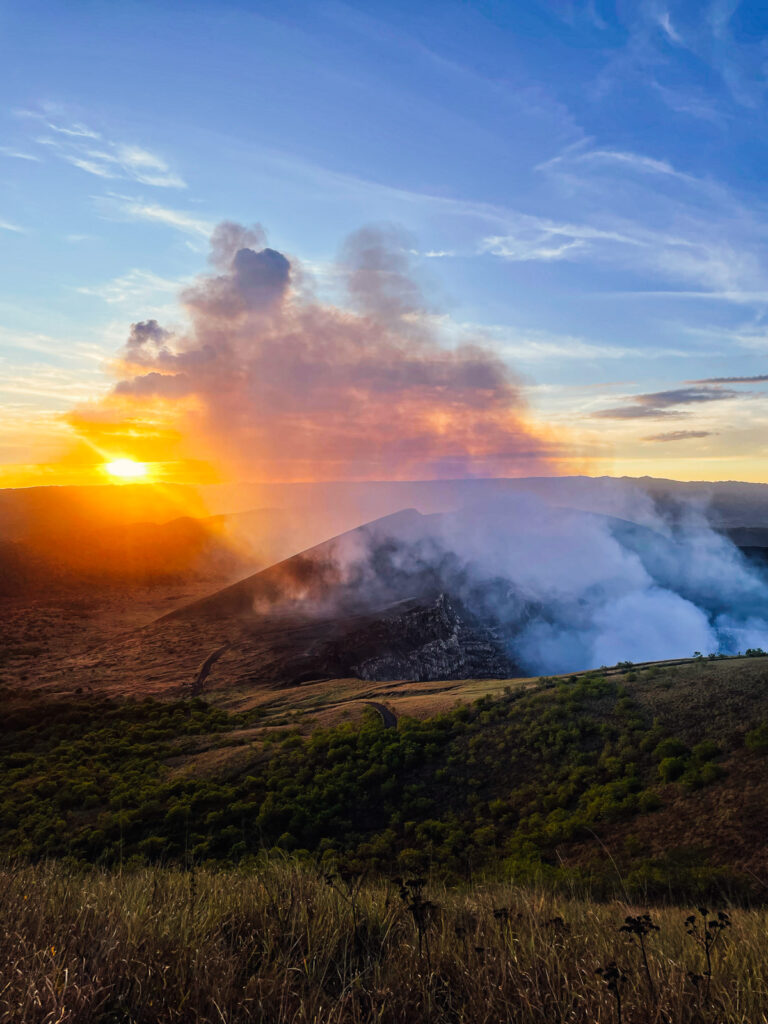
{"x":556,"y":588}
{"x":266,"y":382}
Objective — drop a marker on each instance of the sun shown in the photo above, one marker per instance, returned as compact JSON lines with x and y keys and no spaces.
{"x":127,"y":469}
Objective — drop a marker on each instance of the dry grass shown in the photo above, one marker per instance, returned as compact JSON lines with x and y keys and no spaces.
{"x":278,"y":943}
{"x":328,"y":702}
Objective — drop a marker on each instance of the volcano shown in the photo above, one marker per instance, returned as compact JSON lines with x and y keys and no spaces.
{"x":490,"y":591}
{"x":353,"y":606}
{"x":370,"y":604}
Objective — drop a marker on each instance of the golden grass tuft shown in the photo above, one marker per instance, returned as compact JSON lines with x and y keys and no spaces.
{"x":278,"y":943}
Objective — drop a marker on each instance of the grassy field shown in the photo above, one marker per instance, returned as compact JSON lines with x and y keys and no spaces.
{"x":240,"y":860}
{"x":281,"y":942}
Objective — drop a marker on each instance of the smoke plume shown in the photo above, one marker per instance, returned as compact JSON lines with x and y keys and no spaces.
{"x":563,"y":588}
{"x":270,"y":383}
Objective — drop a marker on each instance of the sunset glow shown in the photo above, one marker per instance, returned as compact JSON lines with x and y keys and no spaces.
{"x":582,"y":291}
{"x":127,"y":469}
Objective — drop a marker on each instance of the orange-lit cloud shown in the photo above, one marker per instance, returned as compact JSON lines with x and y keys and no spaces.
{"x":267,"y":383}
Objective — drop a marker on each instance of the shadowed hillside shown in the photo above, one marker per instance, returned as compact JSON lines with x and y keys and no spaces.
{"x":651,"y":780}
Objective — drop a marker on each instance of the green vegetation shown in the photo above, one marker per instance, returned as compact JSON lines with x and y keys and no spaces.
{"x":695,"y":768}
{"x":757,"y":738}
{"x":500,"y":786}
{"x":282,"y":942}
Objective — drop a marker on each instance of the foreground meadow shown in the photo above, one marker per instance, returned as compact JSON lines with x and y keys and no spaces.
{"x":281,"y":941}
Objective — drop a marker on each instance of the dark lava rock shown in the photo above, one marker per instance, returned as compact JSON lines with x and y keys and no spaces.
{"x":439,"y":641}
{"x":411,"y":640}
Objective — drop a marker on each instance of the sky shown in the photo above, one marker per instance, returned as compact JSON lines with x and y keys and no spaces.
{"x":518,"y":238}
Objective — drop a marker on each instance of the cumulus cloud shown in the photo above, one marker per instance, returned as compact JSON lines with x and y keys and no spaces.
{"x":269,"y":381}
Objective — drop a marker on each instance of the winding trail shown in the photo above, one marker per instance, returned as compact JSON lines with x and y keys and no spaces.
{"x":205,"y":669}
{"x":389,"y":718}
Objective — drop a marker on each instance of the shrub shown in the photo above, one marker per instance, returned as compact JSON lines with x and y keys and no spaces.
{"x":757,"y":738}
{"x":670,"y":747}
{"x":705,"y":751}
{"x":671,"y":768}
{"x":648,"y":801}
{"x":711,"y":773}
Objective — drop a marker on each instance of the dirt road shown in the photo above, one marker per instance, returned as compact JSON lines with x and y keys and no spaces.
{"x":389,"y":718}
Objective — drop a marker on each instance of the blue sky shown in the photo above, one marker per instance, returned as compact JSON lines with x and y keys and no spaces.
{"x":583,"y":185}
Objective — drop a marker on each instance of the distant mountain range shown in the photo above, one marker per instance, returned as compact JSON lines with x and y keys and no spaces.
{"x":66,"y":536}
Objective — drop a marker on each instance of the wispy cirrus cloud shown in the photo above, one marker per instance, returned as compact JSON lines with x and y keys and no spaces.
{"x":59,"y":347}
{"x":664,"y":21}
{"x":135,"y":286}
{"x":148,"y":168}
{"x":658,"y":221}
{"x":18,"y":154}
{"x":690,"y":102}
{"x":90,"y":166}
{"x":635,"y":161}
{"x":538,"y":346}
{"x":539,"y":238}
{"x":715,"y":250}
{"x":74,"y":131}
{"x":751,"y":336}
{"x":137,"y":209}
{"x":47,"y":115}
{"x":75,"y":143}
{"x":630,"y":161}
{"x":545,"y":247}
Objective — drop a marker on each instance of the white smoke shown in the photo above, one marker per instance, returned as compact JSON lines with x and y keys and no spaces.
{"x":569,"y":589}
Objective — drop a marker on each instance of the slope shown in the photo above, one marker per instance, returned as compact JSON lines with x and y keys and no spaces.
{"x":648,"y":780}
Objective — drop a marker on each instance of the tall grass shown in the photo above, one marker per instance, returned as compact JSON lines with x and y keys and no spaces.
{"x":282,"y":942}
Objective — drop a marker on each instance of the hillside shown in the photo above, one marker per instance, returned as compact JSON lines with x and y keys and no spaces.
{"x":652,"y":779}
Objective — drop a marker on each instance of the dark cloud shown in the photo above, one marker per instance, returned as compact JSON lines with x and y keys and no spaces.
{"x":147,"y":332}
{"x":635,"y":412}
{"x":679,"y":435}
{"x":165,"y":385}
{"x":760,"y":378}
{"x":253,"y":282}
{"x":660,"y":404}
